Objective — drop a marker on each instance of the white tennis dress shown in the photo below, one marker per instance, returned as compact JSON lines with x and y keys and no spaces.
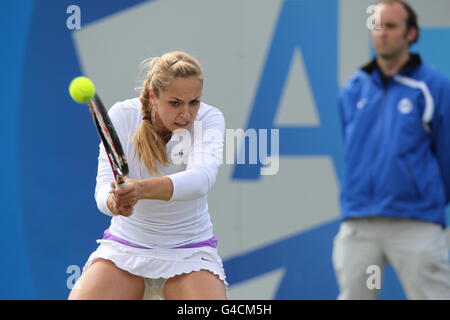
{"x":162,"y":239}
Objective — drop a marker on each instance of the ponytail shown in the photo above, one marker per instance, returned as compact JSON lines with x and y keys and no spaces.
{"x":150,"y":146}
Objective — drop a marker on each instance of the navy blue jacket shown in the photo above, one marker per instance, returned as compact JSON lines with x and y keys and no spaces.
{"x":396,"y":143}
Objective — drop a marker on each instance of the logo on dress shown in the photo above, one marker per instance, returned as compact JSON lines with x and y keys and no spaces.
{"x":179,"y":154}
{"x":405,"y":106}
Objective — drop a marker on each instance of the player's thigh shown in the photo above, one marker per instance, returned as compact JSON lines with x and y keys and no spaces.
{"x":104,"y":280}
{"x":197,"y":285}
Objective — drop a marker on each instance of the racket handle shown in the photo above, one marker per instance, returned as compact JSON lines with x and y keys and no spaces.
{"x":120,"y":181}
{"x":121,"y":184}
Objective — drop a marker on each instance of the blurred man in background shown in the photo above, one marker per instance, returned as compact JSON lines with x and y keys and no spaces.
{"x":395,"y":115}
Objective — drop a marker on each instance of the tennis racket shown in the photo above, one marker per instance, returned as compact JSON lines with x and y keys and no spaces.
{"x":110,"y":140}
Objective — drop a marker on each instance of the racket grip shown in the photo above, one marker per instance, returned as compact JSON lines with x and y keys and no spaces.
{"x":120,"y":182}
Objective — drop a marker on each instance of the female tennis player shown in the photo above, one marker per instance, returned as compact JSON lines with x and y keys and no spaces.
{"x":160,"y":244}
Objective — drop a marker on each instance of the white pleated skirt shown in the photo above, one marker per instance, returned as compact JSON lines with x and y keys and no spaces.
{"x":158,"y":265}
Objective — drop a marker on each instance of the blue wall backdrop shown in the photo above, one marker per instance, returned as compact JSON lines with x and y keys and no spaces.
{"x":49,"y":218}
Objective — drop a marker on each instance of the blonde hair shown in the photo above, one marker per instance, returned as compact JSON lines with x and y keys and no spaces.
{"x":150,"y":146}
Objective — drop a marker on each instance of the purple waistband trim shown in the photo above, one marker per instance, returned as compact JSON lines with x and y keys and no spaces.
{"x":212,"y":242}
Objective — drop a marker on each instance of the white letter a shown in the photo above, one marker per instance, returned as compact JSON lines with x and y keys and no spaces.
{"x":374,"y":280}
{"x":73,"y":21}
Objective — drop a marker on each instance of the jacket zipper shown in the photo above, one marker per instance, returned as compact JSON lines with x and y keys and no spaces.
{"x":413,"y":179}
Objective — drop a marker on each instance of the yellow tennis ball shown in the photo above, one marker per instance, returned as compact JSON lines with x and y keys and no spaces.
{"x":81,"y":89}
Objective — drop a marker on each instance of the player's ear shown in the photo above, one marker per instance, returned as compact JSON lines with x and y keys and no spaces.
{"x":152,"y":94}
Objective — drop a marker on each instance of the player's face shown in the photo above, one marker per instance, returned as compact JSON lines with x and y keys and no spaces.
{"x":392,"y":39}
{"x":177,"y":106}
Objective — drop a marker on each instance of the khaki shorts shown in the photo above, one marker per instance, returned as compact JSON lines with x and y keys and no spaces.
{"x":417,"y":251}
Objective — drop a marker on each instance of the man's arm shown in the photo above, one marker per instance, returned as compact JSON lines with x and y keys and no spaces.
{"x":440,"y":134}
